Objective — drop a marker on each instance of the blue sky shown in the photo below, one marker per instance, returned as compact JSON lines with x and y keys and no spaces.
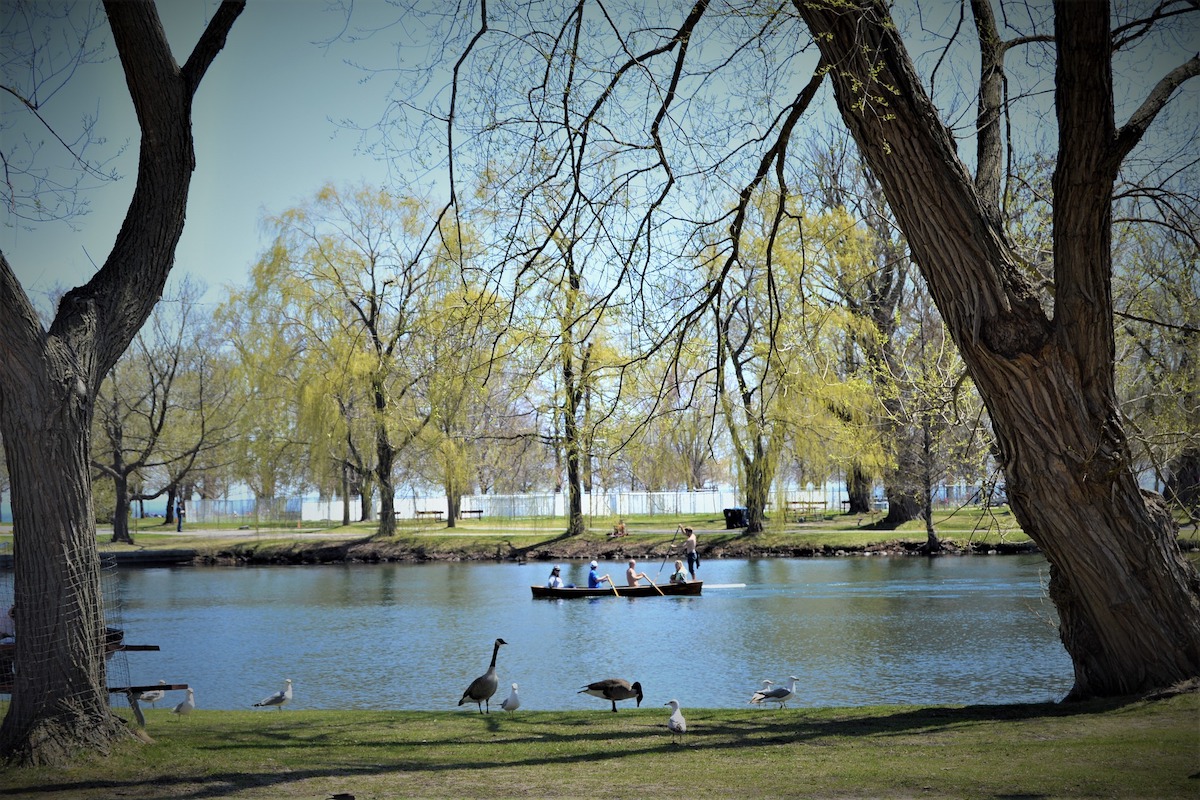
{"x":264,"y":141}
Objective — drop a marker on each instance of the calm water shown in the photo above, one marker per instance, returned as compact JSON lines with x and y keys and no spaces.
{"x":855,"y":631}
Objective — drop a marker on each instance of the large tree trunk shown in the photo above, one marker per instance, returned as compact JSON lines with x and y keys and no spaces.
{"x":50,"y":380}
{"x":858,"y":490}
{"x":120,"y":518}
{"x":1128,"y":602}
{"x":385,"y":456}
{"x":59,"y":701}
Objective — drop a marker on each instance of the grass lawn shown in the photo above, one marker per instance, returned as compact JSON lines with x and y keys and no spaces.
{"x":1143,"y":749}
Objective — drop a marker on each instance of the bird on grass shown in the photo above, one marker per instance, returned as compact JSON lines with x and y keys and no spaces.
{"x":614,"y":689}
{"x":513,"y":701}
{"x":676,"y":724}
{"x":766,"y":687}
{"x":780,"y":694}
{"x":482,"y":688}
{"x":152,"y":696}
{"x":280,"y":698}
{"x":188,"y":704}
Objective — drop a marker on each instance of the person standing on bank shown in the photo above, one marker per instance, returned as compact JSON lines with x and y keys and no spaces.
{"x":180,"y":513}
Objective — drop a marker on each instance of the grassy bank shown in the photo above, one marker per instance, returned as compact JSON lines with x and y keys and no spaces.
{"x":1144,"y":749}
{"x":968,"y":529}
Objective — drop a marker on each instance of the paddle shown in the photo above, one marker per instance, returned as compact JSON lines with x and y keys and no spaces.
{"x":670,"y":544}
{"x":612,"y":586}
{"x":655,"y":585}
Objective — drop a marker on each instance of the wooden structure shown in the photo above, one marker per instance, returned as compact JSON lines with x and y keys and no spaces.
{"x":114,"y":642}
{"x":804,"y":510}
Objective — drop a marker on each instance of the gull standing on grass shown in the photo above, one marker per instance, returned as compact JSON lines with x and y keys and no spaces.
{"x":513,"y":701}
{"x":676,"y":724}
{"x":187,"y":705}
{"x":779,"y":694}
{"x":766,"y":687}
{"x":152,"y":696}
{"x":280,"y":698}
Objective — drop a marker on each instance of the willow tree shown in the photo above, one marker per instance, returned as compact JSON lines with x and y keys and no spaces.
{"x":49,"y":380}
{"x":350,"y":277}
{"x":1128,"y":602}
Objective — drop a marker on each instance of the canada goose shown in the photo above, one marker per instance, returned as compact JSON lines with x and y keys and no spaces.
{"x":187,"y":705}
{"x":482,"y":688}
{"x":153,"y":695}
{"x":513,"y":701}
{"x":280,"y":698}
{"x":778,"y":695}
{"x":614,"y":689}
{"x":676,"y":724}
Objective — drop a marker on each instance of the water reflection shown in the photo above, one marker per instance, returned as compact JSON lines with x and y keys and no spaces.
{"x":854,"y":630}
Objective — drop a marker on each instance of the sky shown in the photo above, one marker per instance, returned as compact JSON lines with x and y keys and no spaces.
{"x":264,"y":138}
{"x":264,"y":142}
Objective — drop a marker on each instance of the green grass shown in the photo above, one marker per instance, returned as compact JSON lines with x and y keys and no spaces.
{"x":1097,"y":749}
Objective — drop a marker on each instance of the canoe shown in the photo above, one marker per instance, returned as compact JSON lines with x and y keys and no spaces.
{"x":644,"y":590}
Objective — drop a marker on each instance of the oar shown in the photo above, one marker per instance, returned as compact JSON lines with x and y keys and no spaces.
{"x":678,"y":528}
{"x":612,"y":586}
{"x":655,"y":585}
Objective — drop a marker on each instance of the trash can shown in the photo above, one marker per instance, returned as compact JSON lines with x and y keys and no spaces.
{"x":736,"y":518}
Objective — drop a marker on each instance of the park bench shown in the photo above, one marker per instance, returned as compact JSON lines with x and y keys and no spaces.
{"x":471,"y":512}
{"x":803,"y":510}
{"x":114,"y":642}
{"x":433,"y":514}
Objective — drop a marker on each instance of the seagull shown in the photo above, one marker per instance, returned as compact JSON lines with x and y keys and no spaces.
{"x":780,"y":695}
{"x":676,"y":724}
{"x":187,"y":705}
{"x":767,"y":684}
{"x":152,"y":696}
{"x":614,"y":689}
{"x":482,"y":688}
{"x":512,"y":702}
{"x":280,"y":698}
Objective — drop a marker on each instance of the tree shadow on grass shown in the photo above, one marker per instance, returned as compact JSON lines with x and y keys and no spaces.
{"x":559,"y":739}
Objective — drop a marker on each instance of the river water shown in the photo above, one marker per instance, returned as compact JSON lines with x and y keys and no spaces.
{"x":855,"y":631}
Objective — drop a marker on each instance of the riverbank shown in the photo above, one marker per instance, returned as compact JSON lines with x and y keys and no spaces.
{"x":1132,"y":748}
{"x":652,"y":538}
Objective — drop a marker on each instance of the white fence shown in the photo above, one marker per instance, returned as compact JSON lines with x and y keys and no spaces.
{"x":611,"y":504}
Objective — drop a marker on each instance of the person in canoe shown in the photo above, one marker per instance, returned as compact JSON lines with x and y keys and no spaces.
{"x":595,"y":580}
{"x":680,"y":574}
{"x":556,"y":581}
{"x":632,"y":576}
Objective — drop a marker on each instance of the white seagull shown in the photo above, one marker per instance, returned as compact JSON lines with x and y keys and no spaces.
{"x":778,"y":695}
{"x":676,"y":724}
{"x":280,"y":698}
{"x":766,"y":687}
{"x":513,"y":701}
{"x":152,"y":696}
{"x":187,"y":705}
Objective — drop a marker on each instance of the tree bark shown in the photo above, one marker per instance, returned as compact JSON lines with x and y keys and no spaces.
{"x":858,"y":491}
{"x":1128,"y":602}
{"x":50,"y":380}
